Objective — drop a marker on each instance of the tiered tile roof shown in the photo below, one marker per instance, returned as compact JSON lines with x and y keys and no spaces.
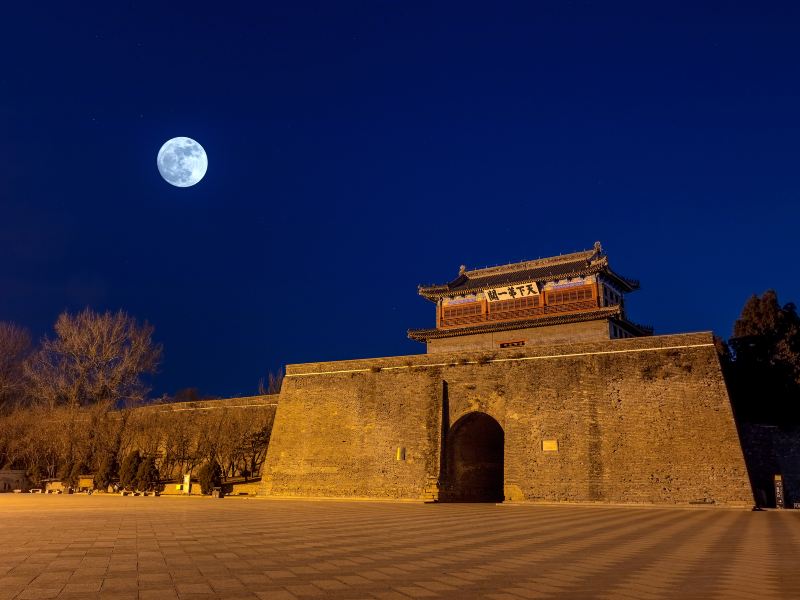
{"x":565,"y":266}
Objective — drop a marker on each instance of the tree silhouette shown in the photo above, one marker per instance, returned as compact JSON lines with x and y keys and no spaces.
{"x":107,"y":471}
{"x":210,"y":476}
{"x":764,"y":366}
{"x":147,"y":474}
{"x":129,"y":470}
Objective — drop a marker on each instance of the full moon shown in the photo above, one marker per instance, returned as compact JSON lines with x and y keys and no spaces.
{"x":182,"y":162}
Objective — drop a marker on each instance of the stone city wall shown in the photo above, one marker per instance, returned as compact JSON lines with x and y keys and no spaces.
{"x":771,"y":451}
{"x":183,"y":434}
{"x":642,"y":420}
{"x":587,"y":331}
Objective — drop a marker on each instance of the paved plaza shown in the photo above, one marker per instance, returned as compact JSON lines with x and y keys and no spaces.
{"x":162,"y":548}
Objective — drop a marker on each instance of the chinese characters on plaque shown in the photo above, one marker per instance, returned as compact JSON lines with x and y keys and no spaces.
{"x":511,"y":292}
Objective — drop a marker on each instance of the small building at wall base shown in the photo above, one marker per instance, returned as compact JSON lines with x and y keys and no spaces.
{"x":535,"y":387}
{"x":14,"y":479}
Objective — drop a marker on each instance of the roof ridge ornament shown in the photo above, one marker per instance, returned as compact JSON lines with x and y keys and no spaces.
{"x":585,"y":255}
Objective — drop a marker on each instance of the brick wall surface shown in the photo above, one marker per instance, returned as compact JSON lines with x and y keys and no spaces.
{"x":771,"y":451}
{"x":642,"y":420}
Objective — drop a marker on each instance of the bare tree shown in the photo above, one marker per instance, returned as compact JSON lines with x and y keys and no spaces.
{"x":12,"y":434}
{"x":236,"y":441}
{"x":233,"y":430}
{"x":255,"y":448}
{"x":274,"y":383}
{"x":211,"y":431}
{"x":181,"y":453}
{"x":94,"y":358}
{"x":40,"y":443}
{"x":15,"y":348}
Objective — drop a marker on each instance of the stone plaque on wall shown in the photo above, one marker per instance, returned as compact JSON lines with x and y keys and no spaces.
{"x":550,"y":445}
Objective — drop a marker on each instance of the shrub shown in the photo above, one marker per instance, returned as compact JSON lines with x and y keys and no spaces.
{"x":210,"y":476}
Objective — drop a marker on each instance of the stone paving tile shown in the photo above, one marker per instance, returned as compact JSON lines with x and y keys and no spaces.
{"x":254,"y":580}
{"x":436,"y":586}
{"x":305,"y":590}
{"x":16,"y":580}
{"x":88,"y":573}
{"x":275,"y":595}
{"x":36,"y":593}
{"x":124,"y":548}
{"x":47,"y":578}
{"x":194,"y":588}
{"x":120,"y":584}
{"x":158,"y":594}
{"x":227,"y":586}
{"x":83,"y":588}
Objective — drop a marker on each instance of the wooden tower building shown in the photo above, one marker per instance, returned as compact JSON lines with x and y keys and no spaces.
{"x":568,"y":298}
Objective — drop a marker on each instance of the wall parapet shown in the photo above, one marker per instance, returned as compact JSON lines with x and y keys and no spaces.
{"x":622,"y":346}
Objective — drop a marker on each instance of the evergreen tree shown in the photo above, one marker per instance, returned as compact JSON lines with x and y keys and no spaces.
{"x":77,"y":470}
{"x":147,"y":474}
{"x":65,"y":472}
{"x":129,"y":470}
{"x":764,"y":373}
{"x":107,"y":472}
{"x":210,"y":476}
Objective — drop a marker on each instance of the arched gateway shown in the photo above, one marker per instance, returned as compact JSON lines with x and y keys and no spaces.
{"x":474,"y":463}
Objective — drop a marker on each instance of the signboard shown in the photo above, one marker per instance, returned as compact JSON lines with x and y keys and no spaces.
{"x":187,"y":484}
{"x":517,"y":290}
{"x":779,"y":499}
{"x":550,"y":445}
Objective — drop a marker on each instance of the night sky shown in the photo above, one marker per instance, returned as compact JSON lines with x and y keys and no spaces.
{"x":359,"y":149}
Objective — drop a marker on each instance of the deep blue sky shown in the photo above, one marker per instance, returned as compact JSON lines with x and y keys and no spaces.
{"x":359,"y":149}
